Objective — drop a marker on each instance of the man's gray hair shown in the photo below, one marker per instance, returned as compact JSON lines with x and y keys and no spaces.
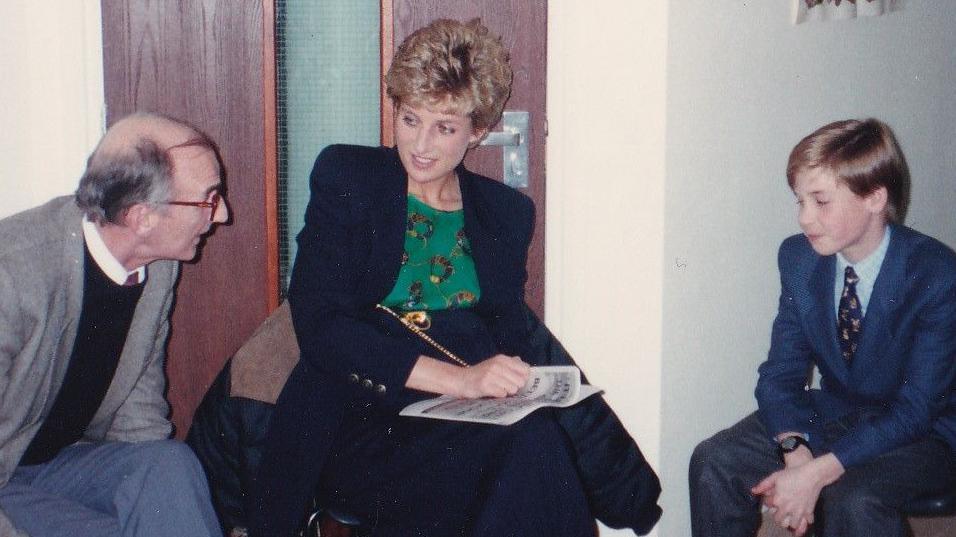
{"x":132,"y":165}
{"x":110,"y":186}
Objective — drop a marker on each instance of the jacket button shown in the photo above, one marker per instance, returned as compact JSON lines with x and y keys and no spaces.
{"x":380,"y":389}
{"x":353,"y":378}
{"x":367,"y":383}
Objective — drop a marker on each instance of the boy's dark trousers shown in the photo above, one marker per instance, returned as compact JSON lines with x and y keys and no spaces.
{"x":864,"y":501}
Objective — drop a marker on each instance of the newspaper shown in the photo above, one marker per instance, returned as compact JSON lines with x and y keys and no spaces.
{"x":558,"y":386}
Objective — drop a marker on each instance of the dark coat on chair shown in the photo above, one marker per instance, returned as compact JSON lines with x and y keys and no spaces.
{"x":229,"y":429}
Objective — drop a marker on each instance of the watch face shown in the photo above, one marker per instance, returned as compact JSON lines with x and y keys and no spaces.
{"x":789,"y":443}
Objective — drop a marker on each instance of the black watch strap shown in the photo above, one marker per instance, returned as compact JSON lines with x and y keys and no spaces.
{"x":790,"y":444}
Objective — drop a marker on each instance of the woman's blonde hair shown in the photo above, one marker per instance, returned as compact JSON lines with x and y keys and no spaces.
{"x":452,"y":67}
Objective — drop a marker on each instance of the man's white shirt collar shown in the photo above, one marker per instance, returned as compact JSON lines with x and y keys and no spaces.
{"x":105,"y":259}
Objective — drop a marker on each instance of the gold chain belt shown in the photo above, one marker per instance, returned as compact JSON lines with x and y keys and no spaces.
{"x":418,"y":322}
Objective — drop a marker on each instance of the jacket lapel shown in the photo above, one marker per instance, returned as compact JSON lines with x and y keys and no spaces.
{"x":389,"y":212}
{"x":481,"y":231}
{"x":883,"y":302}
{"x":140,"y":339}
{"x":72,"y":282}
{"x":822,"y":318}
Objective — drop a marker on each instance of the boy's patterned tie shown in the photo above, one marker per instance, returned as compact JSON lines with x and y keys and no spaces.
{"x":850,"y":315}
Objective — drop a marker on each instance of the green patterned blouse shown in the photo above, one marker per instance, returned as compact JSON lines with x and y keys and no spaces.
{"x":437,"y":271}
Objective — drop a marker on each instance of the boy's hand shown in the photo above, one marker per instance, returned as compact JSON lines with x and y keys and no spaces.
{"x":792,"y":492}
{"x":791,"y":498}
{"x":797,"y":457}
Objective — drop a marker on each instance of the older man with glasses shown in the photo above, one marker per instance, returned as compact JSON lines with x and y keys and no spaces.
{"x":86,"y":287}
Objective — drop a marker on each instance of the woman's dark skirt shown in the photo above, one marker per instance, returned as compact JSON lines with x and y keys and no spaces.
{"x":422,"y":477}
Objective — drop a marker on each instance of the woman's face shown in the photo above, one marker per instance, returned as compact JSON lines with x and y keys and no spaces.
{"x":431,"y":144}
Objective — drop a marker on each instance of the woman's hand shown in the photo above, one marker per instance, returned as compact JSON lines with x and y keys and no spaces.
{"x":498,"y":376}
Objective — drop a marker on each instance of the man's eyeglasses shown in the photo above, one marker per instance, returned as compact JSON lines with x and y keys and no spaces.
{"x":213,"y":204}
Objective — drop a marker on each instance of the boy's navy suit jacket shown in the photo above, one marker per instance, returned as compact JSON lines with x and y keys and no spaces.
{"x":901,"y":377}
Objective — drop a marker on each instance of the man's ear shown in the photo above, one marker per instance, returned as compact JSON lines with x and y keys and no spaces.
{"x":876,"y":201}
{"x":141,"y":218}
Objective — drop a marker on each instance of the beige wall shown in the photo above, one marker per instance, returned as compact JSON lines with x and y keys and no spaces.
{"x":605,"y":213}
{"x":52,"y":95}
{"x":669,"y":132}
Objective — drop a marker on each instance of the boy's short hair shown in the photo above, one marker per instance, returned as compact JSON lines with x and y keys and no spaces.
{"x":864,"y":155}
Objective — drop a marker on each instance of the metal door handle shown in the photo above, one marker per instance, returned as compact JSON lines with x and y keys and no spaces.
{"x":514,"y":141}
{"x":502,"y":138}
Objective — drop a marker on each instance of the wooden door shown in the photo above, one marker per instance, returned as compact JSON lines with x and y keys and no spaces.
{"x":203,"y":61}
{"x":522,"y":25}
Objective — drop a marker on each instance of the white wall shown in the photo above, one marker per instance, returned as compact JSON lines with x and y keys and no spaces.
{"x":669,"y":128}
{"x":606,"y":106}
{"x":52,"y":95}
{"x":744,"y":85}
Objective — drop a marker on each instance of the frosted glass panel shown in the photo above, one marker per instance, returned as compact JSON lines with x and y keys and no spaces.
{"x":327,"y":53}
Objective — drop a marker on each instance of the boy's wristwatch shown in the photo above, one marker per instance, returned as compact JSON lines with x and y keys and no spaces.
{"x":790,"y":444}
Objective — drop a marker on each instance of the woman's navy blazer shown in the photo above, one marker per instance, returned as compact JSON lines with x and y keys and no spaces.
{"x":349,"y":257}
{"x":350,"y":253}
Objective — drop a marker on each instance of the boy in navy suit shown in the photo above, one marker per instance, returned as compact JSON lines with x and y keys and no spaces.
{"x":872,"y":304}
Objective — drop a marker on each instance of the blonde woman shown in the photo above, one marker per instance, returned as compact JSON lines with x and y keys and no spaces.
{"x":409,"y":232}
